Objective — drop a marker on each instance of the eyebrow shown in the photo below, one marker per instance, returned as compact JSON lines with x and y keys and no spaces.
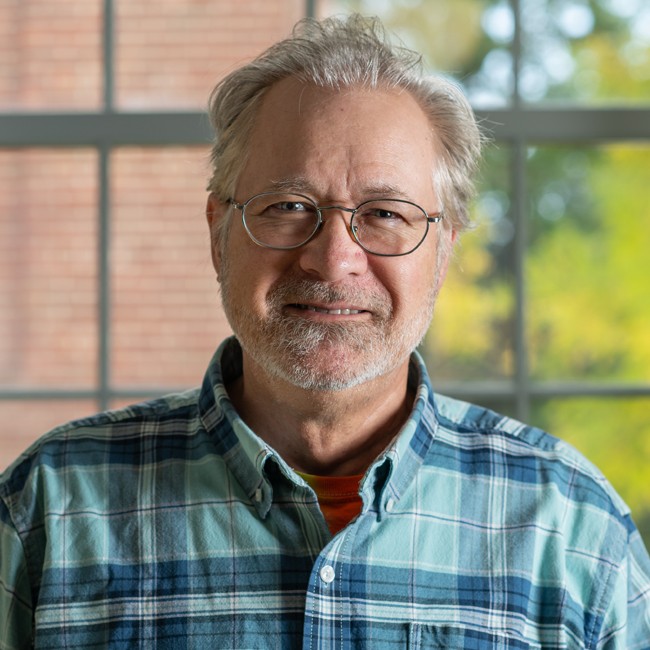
{"x":294,"y":184}
{"x":300,"y":185}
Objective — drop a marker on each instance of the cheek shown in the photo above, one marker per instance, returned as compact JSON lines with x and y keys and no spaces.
{"x":409,"y":279}
{"x":411,"y":282}
{"x":396,"y":280}
{"x":253,"y":273}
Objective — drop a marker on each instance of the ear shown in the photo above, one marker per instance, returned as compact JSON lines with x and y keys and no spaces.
{"x":215,"y":212}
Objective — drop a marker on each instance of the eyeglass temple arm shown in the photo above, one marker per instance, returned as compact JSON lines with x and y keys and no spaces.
{"x":239,"y":206}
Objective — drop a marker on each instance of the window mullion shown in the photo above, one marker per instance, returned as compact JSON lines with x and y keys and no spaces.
{"x":522,"y":380}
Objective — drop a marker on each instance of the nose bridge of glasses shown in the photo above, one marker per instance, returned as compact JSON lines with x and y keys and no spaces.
{"x":341,"y":208}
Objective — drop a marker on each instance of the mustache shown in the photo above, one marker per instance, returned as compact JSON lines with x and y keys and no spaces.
{"x":302,"y":291}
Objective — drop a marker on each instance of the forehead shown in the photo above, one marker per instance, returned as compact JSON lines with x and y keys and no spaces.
{"x":339,"y":137}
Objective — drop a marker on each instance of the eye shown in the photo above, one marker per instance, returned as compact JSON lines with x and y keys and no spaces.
{"x":290,"y":206}
{"x":381,"y":213}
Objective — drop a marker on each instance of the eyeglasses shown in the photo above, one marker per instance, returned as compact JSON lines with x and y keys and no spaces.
{"x":387,"y":227}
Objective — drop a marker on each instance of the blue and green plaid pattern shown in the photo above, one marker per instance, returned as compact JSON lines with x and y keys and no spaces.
{"x":172,"y":525}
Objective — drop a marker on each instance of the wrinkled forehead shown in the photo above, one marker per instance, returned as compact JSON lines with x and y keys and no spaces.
{"x":354,"y":134}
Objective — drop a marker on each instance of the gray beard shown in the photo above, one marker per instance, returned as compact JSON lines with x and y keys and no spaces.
{"x":287,"y":346}
{"x":300,"y":340}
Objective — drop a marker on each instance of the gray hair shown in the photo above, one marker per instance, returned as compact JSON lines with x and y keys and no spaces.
{"x":340,"y":53}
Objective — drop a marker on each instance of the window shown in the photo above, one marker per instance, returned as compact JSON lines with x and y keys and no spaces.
{"x":107,"y":292}
{"x":544,"y":313}
{"x":106,"y":288}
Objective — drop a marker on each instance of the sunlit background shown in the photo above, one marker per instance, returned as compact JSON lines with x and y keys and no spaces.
{"x":106,"y":289}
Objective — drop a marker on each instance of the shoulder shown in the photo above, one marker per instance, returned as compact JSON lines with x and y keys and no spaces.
{"x":463,"y":417}
{"x":524,"y":455}
{"x":111,"y":438}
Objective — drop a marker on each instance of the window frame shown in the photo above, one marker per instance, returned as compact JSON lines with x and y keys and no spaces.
{"x":518,"y":126}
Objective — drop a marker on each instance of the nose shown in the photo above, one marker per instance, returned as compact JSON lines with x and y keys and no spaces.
{"x":333,"y":253}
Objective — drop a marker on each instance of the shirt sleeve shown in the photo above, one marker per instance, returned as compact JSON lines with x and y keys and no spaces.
{"x":627,"y":619}
{"x":15,"y":592}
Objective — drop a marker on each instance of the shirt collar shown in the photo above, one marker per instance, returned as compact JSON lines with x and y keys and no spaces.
{"x":388,"y":478}
{"x":244,"y":452}
{"x":247,"y":454}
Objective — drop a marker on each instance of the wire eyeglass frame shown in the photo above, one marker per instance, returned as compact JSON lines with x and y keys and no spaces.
{"x":429,"y":218}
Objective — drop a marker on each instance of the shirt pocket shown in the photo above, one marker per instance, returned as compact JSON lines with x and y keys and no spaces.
{"x":457,"y":637}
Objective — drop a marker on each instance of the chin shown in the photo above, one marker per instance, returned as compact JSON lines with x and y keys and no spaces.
{"x":318,"y":380}
{"x":328,"y":369}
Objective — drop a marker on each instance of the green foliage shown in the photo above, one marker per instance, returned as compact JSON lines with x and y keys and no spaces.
{"x":588,"y":307}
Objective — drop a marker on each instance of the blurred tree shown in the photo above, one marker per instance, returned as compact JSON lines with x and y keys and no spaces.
{"x":594,"y":51}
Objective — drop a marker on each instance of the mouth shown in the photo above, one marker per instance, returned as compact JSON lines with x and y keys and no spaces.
{"x":343,"y":311}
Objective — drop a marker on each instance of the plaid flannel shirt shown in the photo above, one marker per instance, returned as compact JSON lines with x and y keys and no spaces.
{"x":172,"y":525}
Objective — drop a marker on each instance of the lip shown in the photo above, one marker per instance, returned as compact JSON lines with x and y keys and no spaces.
{"x":327,"y":310}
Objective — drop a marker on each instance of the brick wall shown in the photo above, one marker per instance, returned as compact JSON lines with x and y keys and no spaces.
{"x":48,"y":267}
{"x":166,"y":317}
{"x":50,"y":54}
{"x":168,"y":50}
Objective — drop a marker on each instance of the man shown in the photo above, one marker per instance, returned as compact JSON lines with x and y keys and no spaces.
{"x":315,"y":492}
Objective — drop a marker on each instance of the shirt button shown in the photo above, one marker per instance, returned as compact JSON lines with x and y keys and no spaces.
{"x":390,"y":505}
{"x":327,"y":574}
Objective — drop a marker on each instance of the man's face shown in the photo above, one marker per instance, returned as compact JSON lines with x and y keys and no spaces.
{"x":328,"y":315}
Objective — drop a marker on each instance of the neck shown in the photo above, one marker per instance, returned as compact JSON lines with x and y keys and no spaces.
{"x":333,"y":433}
